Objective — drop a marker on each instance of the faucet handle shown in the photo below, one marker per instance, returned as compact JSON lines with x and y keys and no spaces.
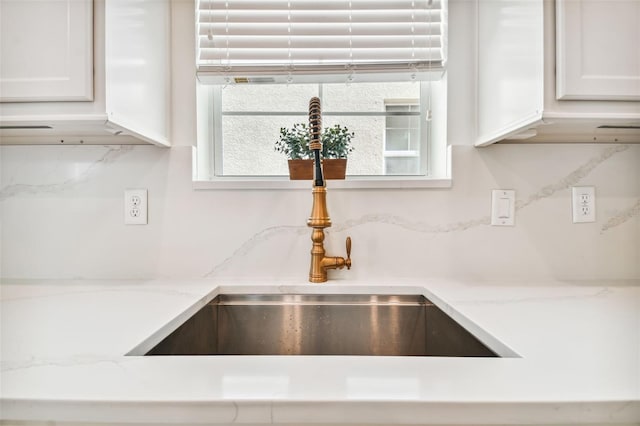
{"x":347,"y":262}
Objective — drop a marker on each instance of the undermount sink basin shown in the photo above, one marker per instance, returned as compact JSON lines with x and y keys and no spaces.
{"x":387,"y":325}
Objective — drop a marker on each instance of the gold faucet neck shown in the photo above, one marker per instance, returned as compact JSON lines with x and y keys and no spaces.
{"x":319,"y":214}
{"x":319,"y":220}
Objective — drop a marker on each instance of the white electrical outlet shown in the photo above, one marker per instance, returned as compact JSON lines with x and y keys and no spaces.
{"x":584,"y":204}
{"x":135,"y":206}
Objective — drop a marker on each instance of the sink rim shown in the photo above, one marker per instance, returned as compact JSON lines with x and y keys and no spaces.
{"x":499,"y":347}
{"x":342,"y":299}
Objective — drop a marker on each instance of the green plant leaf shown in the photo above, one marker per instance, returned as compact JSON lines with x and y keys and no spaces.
{"x":294,"y":142}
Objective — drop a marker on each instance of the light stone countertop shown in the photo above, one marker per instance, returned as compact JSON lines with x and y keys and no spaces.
{"x":573,"y":356}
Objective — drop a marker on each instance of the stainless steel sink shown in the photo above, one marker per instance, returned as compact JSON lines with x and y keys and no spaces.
{"x":321,"y":325}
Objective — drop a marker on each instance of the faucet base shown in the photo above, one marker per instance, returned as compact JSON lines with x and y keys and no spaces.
{"x":321,"y":263}
{"x":317,"y":273}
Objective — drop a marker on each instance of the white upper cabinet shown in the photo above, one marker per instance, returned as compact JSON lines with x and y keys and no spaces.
{"x":598,"y":49}
{"x":55,"y":89}
{"x":592,"y":95}
{"x":46,"y":48}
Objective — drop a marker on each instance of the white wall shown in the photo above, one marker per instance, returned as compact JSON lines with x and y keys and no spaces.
{"x":62,"y":215}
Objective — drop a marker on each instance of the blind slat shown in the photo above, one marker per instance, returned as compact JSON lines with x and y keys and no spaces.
{"x":248,"y":56}
{"x":335,"y":16}
{"x":301,"y":42}
{"x":385,"y":29}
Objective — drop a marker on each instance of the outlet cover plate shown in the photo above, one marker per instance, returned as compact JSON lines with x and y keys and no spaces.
{"x":135,"y":206}
{"x":584,"y":204}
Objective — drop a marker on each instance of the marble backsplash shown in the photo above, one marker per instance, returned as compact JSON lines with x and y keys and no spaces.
{"x":62,"y":217}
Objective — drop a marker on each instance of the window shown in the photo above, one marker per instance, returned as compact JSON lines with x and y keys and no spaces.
{"x":249,"y":119}
{"x":377,"y":66}
{"x":402,"y":137}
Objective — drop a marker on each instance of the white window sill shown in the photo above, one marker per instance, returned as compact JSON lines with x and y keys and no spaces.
{"x":352,"y":182}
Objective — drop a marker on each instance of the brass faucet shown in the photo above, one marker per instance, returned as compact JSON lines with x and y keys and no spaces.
{"x":319,"y":218}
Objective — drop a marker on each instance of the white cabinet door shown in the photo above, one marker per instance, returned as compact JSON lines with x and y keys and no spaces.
{"x":46,"y":50}
{"x":598,"y":49}
{"x":510,"y":67}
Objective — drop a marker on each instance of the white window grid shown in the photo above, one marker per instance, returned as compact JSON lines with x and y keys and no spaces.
{"x":412,"y":110}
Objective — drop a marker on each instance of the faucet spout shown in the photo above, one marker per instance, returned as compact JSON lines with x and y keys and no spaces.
{"x":315,"y":140}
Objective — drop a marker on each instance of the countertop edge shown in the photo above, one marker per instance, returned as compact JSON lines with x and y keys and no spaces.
{"x":277,"y":411}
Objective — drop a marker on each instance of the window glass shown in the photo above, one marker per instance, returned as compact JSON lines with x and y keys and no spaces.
{"x":268,"y":97}
{"x":370,"y":97}
{"x":402,"y":138}
{"x":247,"y":145}
{"x":383,"y":117}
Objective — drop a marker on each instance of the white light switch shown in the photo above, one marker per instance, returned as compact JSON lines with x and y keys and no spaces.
{"x":503,"y":207}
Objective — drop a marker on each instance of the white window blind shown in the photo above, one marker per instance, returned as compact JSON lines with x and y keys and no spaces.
{"x":266,"y":41}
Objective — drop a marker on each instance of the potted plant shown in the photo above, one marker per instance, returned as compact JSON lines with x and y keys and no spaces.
{"x":336,"y":146}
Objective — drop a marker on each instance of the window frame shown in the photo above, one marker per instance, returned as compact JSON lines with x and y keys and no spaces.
{"x":435,"y":163}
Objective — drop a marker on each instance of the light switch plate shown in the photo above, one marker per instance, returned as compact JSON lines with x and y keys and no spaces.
{"x":503,"y":207}
{"x":135,"y":206}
